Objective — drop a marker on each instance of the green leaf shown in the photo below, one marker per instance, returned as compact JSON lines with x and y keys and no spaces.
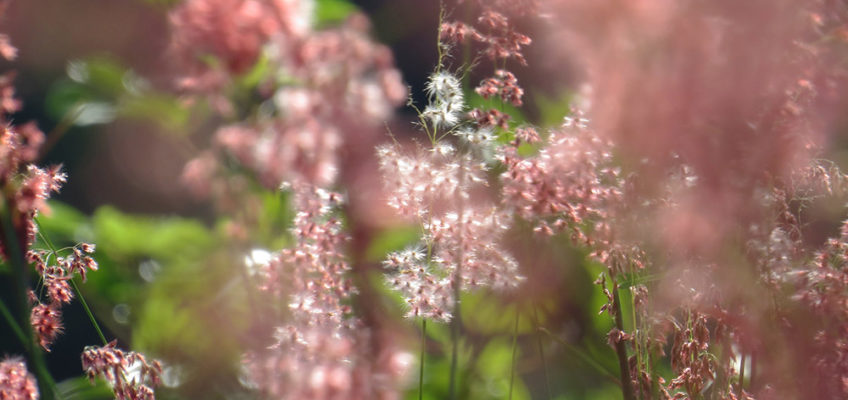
{"x":494,"y":368}
{"x":163,"y":109}
{"x":65,"y":222}
{"x":393,"y":239}
{"x":138,"y":236}
{"x":328,"y":12}
{"x":553,"y":109}
{"x":107,"y":76}
{"x":276,"y":217}
{"x":81,"y":388}
{"x":483,"y":312}
{"x":260,"y":71}
{"x":64,"y":97}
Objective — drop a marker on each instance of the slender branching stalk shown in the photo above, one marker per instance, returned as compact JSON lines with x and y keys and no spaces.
{"x":421,"y":363}
{"x":610,"y":375}
{"x":637,"y":344}
{"x":514,"y":352}
{"x":541,"y":349}
{"x":457,"y":290}
{"x":74,"y":286}
{"x":621,"y":347}
{"x":753,"y":370}
{"x":10,"y":319}
{"x":88,"y":312}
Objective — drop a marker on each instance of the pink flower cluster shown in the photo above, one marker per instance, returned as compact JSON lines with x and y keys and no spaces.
{"x":16,"y":383}
{"x":322,"y":90}
{"x":213,"y":40}
{"x":129,"y":373}
{"x":500,"y":42}
{"x":571,"y":184}
{"x":442,"y":190}
{"x":498,"y":36}
{"x":503,"y":85}
{"x":322,"y":351}
{"x":46,"y":319}
{"x":26,"y":191}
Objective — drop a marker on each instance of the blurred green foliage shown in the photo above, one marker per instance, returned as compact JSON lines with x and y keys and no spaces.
{"x":175,"y":279}
{"x":329,"y":12}
{"x":98,"y":90}
{"x":81,"y":389}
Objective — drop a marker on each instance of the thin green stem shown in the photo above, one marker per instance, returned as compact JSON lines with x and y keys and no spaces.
{"x":620,"y":347}
{"x":514,"y":352}
{"x":10,"y":319}
{"x":88,"y":312}
{"x":583,"y":356}
{"x":61,"y":128}
{"x":455,"y":327}
{"x":441,"y":55}
{"x":457,"y":288}
{"x":655,"y":381}
{"x":541,"y":350}
{"x":753,"y":364}
{"x":423,"y":351}
{"x":77,"y":292}
{"x":637,"y":344}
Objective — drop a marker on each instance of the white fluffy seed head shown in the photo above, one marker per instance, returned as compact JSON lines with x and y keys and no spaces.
{"x":444,"y":87}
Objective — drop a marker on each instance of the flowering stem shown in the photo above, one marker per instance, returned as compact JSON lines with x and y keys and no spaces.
{"x":14,"y":324}
{"x":637,"y":344}
{"x":423,"y":351}
{"x":61,"y":128}
{"x":514,"y":348}
{"x":541,"y":349}
{"x":73,"y":285}
{"x":583,"y":356}
{"x":455,"y":334}
{"x":753,"y":364}
{"x":620,"y":347}
{"x":457,"y":289}
{"x":441,"y":55}
{"x":88,"y":312}
{"x":46,"y":386}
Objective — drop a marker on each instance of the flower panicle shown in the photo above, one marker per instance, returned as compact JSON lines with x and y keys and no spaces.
{"x":322,"y":350}
{"x":55,"y":273}
{"x":16,"y":383}
{"x":130,"y":374}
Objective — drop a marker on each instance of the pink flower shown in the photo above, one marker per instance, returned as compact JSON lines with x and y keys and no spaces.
{"x":16,"y":383}
{"x":113,"y":365}
{"x":321,"y":350}
{"x":46,"y":320}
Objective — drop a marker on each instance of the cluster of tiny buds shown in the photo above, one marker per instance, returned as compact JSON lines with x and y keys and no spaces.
{"x":116,"y":367}
{"x":46,"y":318}
{"x":489,"y":118}
{"x":501,"y":41}
{"x":526,"y":134}
{"x":503,"y":84}
{"x":427,"y":294}
{"x":689,"y":356}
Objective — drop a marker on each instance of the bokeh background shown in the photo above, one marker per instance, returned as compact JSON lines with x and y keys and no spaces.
{"x":94,"y":75}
